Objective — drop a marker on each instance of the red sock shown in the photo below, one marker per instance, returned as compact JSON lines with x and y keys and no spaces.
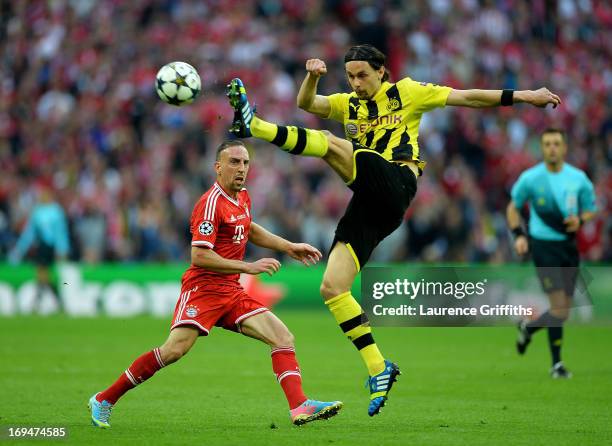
{"x":287,"y":372}
{"x":142,"y":369}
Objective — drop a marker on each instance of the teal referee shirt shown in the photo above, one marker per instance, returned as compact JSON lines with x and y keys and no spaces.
{"x":553,"y":196}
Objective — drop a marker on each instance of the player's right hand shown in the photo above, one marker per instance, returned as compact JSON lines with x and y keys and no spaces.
{"x":316,"y":67}
{"x":521,"y":245}
{"x":265,"y":265}
{"x":542,"y":97}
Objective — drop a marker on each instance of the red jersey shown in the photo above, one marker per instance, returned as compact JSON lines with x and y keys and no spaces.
{"x":222,"y":224}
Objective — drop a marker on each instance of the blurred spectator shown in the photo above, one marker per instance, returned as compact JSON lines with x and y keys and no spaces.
{"x":77,"y":106}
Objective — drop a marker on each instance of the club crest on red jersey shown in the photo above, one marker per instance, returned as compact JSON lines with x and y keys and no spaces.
{"x":206,"y":228}
{"x":192,"y":310}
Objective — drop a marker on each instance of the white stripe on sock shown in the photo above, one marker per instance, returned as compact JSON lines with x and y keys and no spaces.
{"x":131,"y":377}
{"x":286,"y":374}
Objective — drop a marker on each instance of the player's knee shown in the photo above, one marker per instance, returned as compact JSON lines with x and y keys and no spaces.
{"x":328,"y":290}
{"x":560,"y":313}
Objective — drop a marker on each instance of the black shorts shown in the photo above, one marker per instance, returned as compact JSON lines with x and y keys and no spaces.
{"x":382,"y":193}
{"x":556,"y":263}
{"x":44,"y":254}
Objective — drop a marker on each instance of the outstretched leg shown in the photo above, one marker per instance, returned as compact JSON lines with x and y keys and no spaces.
{"x":180,"y":340}
{"x":268,"y":328}
{"x":336,"y":152}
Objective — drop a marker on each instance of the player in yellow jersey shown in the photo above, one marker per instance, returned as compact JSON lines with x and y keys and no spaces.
{"x":380,"y":162}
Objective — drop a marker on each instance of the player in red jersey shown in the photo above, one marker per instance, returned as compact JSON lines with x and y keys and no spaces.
{"x":211,"y":295}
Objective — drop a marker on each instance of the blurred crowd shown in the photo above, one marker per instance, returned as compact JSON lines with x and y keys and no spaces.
{"x":79,"y":115}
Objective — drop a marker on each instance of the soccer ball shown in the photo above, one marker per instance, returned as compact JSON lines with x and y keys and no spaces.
{"x":178,"y":83}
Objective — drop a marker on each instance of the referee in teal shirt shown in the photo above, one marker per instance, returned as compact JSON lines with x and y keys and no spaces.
{"x":560,"y":198}
{"x":47,"y":231}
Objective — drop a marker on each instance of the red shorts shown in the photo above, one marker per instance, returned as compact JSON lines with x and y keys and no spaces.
{"x":204,"y":307}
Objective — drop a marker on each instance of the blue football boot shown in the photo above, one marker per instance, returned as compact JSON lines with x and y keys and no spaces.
{"x":100,"y":412}
{"x":243,"y":113}
{"x":380,"y":385}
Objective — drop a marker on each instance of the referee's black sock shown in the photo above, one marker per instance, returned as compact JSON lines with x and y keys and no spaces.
{"x":543,"y":321}
{"x":555,"y":339}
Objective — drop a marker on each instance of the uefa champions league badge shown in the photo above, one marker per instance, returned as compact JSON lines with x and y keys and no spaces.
{"x":206,"y":228}
{"x":191,"y":311}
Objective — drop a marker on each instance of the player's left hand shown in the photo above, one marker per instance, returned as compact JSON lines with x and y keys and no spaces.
{"x":308,"y":255}
{"x":572,"y":223}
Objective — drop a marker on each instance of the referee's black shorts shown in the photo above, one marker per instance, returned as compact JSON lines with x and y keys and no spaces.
{"x":556,"y":264}
{"x":383,"y":191}
{"x":44,"y":254}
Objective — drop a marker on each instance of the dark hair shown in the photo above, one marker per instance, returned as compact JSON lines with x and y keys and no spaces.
{"x":550,"y":130}
{"x":367,"y":53}
{"x":228,"y":143}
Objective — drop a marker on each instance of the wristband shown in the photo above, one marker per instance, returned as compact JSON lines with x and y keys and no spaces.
{"x":507,"y":97}
{"x":517,"y":232}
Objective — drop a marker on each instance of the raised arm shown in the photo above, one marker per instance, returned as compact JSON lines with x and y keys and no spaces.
{"x":307,"y":98}
{"x":299,"y":251}
{"x":493,"y":98}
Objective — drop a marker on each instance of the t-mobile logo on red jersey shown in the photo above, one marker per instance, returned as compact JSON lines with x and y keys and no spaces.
{"x":239,"y":234}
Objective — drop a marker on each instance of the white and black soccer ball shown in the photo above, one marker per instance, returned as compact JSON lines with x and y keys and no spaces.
{"x":178,"y":83}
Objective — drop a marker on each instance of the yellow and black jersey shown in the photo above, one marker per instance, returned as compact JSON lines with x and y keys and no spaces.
{"x":389,"y":122}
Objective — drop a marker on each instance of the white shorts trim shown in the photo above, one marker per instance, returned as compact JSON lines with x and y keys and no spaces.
{"x":189,"y":322}
{"x":249,"y":314}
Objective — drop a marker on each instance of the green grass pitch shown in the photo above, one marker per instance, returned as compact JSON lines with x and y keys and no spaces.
{"x":459,"y":385}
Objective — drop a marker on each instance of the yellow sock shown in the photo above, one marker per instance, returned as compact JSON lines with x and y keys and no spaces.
{"x":295,"y":140}
{"x":262,"y":129}
{"x":354,"y":323}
